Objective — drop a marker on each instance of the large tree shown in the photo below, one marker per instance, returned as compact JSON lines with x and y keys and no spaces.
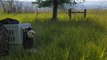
{"x":55,"y":4}
{"x":55,"y":8}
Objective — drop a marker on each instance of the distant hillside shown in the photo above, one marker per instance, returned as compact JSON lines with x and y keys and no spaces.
{"x":89,"y":5}
{"x":85,"y":5}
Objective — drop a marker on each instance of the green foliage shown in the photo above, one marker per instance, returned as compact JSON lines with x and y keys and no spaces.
{"x":49,"y":3}
{"x":45,"y":4}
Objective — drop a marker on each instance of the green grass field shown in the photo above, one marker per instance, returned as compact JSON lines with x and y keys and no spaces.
{"x":76,"y":39}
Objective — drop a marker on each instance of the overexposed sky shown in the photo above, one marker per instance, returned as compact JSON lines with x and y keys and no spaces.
{"x":96,"y":0}
{"x":77,"y":0}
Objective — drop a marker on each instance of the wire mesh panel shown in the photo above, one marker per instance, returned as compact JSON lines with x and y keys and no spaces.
{"x":15,"y":38}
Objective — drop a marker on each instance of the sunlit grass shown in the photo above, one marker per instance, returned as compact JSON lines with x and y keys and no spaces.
{"x":77,"y":38}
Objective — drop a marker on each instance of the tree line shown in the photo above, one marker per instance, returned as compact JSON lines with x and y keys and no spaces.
{"x":12,"y":6}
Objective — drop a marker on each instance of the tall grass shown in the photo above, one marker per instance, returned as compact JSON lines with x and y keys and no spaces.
{"x":76,"y":39}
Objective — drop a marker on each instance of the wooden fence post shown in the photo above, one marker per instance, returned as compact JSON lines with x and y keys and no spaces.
{"x":69,"y":13}
{"x":85,"y":12}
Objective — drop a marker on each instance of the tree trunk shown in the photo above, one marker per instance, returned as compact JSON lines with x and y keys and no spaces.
{"x":55,"y":8}
{"x":3,"y":5}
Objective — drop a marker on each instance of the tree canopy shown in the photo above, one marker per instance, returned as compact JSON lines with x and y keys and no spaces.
{"x":55,"y":4}
{"x":49,"y":3}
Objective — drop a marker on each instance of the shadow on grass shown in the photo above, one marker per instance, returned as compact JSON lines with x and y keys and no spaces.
{"x":70,"y":40}
{"x":85,"y":28}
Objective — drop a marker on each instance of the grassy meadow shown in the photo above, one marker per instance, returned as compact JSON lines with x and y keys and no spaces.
{"x":77,"y":38}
